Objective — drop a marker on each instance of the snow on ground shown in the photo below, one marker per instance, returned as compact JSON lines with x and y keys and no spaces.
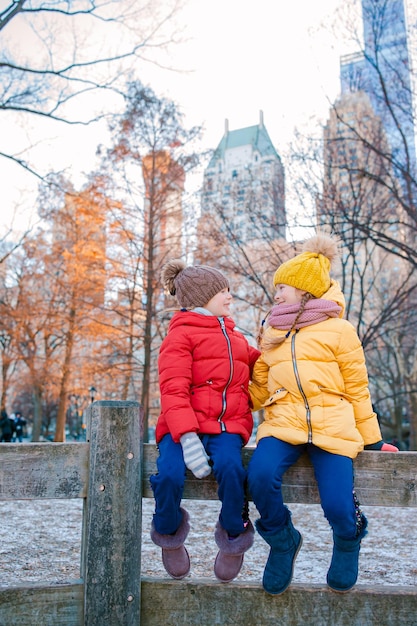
{"x":40,"y":541}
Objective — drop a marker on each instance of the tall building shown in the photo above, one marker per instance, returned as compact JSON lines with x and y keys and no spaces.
{"x":383,"y":71}
{"x":351,"y":132}
{"x":369,"y":140}
{"x":164,"y":180}
{"x":163,"y":221}
{"x":244,"y":185}
{"x":351,"y":198}
{"x":369,"y":164}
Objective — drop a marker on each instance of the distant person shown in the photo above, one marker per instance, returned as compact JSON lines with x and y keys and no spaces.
{"x":19,"y":426}
{"x":204,"y":369}
{"x":6,"y":427}
{"x":312,"y":383}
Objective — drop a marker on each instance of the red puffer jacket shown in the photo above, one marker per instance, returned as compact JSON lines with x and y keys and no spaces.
{"x":204,"y":370}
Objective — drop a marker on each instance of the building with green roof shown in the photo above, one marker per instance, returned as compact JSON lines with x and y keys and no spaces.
{"x":244,"y":185}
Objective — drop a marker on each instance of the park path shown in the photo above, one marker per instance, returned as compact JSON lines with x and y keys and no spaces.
{"x":40,"y":541}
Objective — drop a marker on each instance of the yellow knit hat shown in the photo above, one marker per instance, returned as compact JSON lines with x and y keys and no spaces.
{"x":310,"y":270}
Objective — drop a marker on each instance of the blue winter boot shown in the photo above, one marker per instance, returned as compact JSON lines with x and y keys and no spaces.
{"x":285,"y":545}
{"x":343,"y":571}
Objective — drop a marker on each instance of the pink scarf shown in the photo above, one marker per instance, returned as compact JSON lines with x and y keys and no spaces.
{"x":282,"y":316}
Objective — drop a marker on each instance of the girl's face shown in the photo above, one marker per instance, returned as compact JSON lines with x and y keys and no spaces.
{"x":285,"y":294}
{"x":219,"y":305}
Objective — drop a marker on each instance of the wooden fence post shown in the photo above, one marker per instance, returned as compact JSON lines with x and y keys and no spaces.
{"x":111,"y":553}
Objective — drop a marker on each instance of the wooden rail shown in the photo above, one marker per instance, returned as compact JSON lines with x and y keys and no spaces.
{"x":381,"y":479}
{"x":106,"y":473}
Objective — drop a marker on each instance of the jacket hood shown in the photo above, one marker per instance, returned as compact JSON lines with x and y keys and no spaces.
{"x":190,"y":318}
{"x":335,"y":294}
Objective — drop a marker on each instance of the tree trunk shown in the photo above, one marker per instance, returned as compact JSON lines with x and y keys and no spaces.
{"x":37,"y":412}
{"x":413,"y":421}
{"x":146,"y":371}
{"x":62,"y":404}
{"x":129,"y":362}
{"x":4,"y":386}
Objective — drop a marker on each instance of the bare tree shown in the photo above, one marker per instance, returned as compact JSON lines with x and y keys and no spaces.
{"x":151,"y":155}
{"x":393,"y":367}
{"x":76,"y":265}
{"x":377,"y":86}
{"x":91,"y":290}
{"x":28,"y":309}
{"x":361,"y":177}
{"x":59,"y":58}
{"x":237,"y":233}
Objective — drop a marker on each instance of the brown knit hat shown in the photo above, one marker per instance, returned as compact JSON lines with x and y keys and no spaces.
{"x":194,"y":285}
{"x":310,"y":270}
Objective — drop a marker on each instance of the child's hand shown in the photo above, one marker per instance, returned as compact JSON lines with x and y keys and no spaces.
{"x":195,"y":457}
{"x":388,"y":447}
{"x":382,"y":446}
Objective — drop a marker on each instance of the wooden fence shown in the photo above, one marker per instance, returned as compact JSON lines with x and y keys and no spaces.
{"x":111,"y":473}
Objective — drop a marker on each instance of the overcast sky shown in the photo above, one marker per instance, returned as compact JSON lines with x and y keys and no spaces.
{"x":273,"y":55}
{"x":242,"y":57}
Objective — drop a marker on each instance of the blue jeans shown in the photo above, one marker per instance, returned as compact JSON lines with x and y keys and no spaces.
{"x":225,"y":452}
{"x":333,"y":473}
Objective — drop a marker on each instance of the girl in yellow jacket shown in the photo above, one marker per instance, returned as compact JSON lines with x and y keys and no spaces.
{"x":312,"y":383}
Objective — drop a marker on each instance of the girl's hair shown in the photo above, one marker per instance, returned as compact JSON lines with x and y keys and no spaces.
{"x":267,"y":343}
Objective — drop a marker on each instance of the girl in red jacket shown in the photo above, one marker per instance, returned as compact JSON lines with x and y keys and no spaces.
{"x":204,"y":369}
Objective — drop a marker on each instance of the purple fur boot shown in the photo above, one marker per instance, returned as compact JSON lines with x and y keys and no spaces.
{"x":229,"y":559}
{"x":174,"y":554}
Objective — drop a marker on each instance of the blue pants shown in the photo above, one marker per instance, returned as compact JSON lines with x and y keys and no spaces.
{"x":334,"y":476}
{"x":225,"y":452}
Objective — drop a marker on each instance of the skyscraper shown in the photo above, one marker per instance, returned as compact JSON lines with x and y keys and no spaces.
{"x":382,"y":70}
{"x":368,"y":195}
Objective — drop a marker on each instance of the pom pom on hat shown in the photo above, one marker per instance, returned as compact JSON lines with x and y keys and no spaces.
{"x":194,"y":285}
{"x":310,"y":270}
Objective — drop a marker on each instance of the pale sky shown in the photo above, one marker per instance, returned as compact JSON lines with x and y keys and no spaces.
{"x":277,"y":56}
{"x":268,"y":55}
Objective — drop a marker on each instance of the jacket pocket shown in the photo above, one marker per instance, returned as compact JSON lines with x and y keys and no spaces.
{"x":205,"y":401}
{"x":274,"y":397}
{"x":336,"y":392}
{"x":337,"y":415}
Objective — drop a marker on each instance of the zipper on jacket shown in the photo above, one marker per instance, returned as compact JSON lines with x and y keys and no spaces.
{"x":229,"y":350}
{"x":297,"y":378}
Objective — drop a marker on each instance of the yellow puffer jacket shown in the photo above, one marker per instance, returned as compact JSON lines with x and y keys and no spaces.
{"x":314,"y":387}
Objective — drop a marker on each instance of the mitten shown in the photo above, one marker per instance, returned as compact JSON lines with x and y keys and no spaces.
{"x":382,"y":446}
{"x":195,"y":457}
